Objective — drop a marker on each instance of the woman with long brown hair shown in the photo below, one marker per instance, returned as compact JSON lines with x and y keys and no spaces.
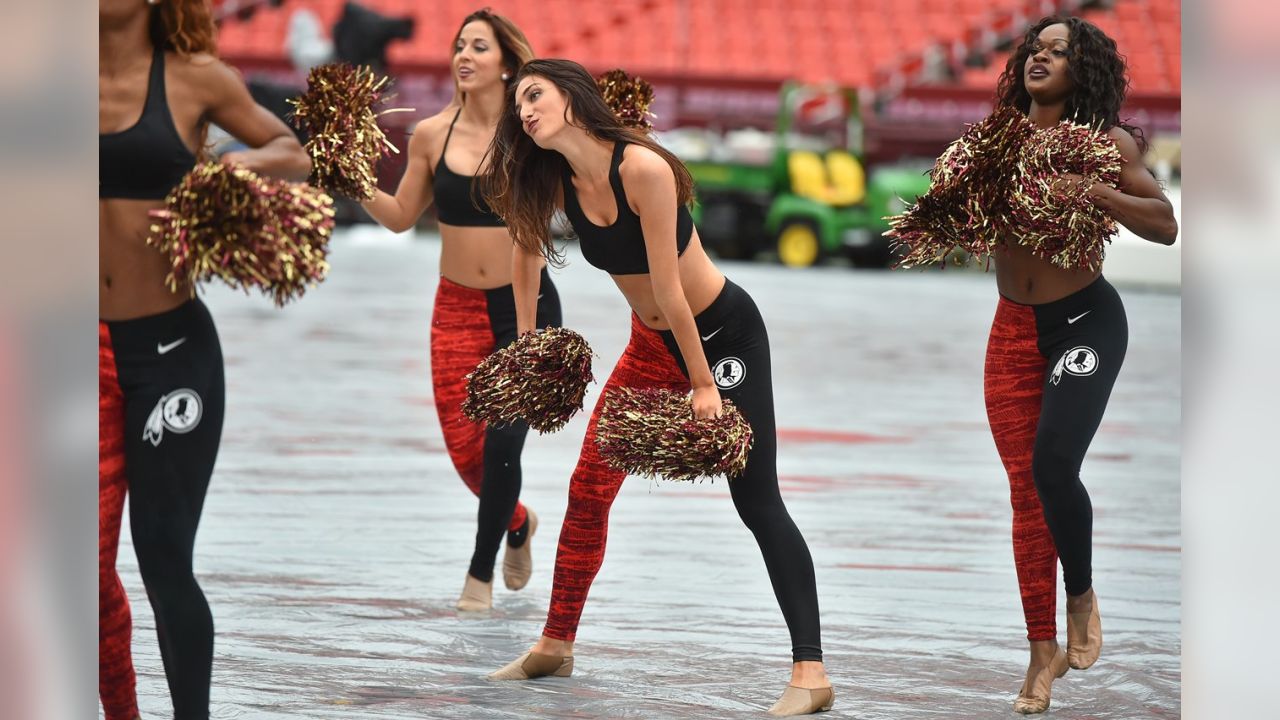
{"x":560,"y":147}
{"x":474,"y":314}
{"x":160,"y":396}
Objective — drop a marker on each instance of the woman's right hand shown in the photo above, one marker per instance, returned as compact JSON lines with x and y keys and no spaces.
{"x":706,"y":402}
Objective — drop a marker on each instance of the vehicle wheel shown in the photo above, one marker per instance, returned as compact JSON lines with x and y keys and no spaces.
{"x":799,"y":244}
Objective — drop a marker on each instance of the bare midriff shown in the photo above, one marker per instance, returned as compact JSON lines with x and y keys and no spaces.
{"x":699,"y":277}
{"x":131,"y":273}
{"x":1024,"y":278}
{"x":476,"y":257}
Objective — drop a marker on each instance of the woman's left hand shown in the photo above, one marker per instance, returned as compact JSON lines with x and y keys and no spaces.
{"x":233,"y":157}
{"x":1072,"y":183}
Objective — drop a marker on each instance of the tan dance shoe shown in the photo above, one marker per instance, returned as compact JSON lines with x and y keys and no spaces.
{"x":517,"y":562}
{"x":803,"y":701}
{"x":1084,"y":637}
{"x":477,"y":595}
{"x":1035,"y":695}
{"x":534,"y":665}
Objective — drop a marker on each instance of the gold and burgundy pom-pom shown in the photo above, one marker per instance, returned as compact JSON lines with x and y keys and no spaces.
{"x":1058,"y":221}
{"x":339,"y":113}
{"x":227,"y":222}
{"x":967,"y":204}
{"x":653,"y":432}
{"x":927,"y":232}
{"x":541,"y":378}
{"x":629,"y":98}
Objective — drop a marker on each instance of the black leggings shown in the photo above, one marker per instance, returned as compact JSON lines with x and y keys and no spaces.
{"x":736,"y":345}
{"x":1084,"y":338}
{"x":168,"y":424}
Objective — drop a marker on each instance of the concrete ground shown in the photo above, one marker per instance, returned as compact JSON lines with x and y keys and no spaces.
{"x":336,"y":533}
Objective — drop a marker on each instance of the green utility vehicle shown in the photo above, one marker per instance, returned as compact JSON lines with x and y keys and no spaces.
{"x":809,"y":197}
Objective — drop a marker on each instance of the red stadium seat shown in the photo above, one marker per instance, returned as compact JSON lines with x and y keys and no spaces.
{"x":850,"y":41}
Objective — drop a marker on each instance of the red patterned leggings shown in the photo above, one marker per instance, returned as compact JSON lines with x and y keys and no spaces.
{"x":594,"y":484}
{"x":467,"y":325}
{"x":116,"y":680}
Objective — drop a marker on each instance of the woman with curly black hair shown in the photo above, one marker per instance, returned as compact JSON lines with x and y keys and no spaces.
{"x":1056,"y":346}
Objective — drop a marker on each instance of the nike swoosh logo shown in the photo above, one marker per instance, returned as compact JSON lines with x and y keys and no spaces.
{"x":162,"y":349}
{"x":539,"y":297}
{"x":708,"y":337}
{"x":1071,"y":321}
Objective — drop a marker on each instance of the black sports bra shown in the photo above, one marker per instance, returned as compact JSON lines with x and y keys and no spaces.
{"x":619,"y":248}
{"x":148,"y":159}
{"x":455,"y":204}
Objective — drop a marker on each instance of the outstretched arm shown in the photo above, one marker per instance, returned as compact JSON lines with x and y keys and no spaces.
{"x":413,"y":195}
